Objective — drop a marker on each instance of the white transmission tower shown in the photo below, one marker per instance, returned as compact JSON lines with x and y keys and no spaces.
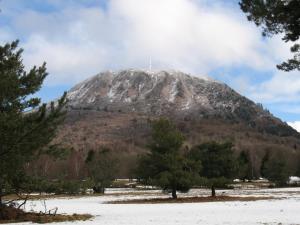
{"x":150,"y":64}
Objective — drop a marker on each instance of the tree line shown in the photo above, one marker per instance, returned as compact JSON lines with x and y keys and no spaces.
{"x":174,"y":168}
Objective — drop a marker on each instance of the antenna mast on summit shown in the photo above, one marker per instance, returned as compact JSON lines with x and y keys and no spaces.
{"x":150,"y":64}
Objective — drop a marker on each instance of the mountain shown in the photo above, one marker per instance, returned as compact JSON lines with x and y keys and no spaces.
{"x":113,"y":109}
{"x":172,"y":93}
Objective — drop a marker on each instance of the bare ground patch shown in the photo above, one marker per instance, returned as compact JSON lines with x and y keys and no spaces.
{"x":189,"y":200}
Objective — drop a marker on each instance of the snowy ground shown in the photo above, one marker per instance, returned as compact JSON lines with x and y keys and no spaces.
{"x":283,"y":210}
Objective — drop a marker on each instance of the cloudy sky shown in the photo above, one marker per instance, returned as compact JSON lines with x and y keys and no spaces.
{"x":80,"y":38}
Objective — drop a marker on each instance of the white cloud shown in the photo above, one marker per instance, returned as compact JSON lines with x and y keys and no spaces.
{"x":182,"y":34}
{"x":77,"y":42}
{"x":66,"y":62}
{"x":295,"y":125}
{"x":282,"y":87}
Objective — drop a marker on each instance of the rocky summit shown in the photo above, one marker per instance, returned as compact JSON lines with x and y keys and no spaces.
{"x":166,"y":93}
{"x":149,"y":92}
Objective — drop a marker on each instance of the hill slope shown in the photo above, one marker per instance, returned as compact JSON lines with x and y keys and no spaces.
{"x":113,"y":109}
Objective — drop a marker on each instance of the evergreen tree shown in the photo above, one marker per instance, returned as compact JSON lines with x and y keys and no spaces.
{"x":276,"y":17}
{"x":26,"y":126}
{"x":297,"y":172}
{"x":217,"y":160}
{"x":245,"y":166}
{"x":263,"y":165}
{"x":166,"y":166}
{"x":102,"y":168}
{"x":275,"y":169}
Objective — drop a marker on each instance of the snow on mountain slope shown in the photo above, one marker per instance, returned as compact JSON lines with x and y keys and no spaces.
{"x":171,"y":92}
{"x":133,"y":86}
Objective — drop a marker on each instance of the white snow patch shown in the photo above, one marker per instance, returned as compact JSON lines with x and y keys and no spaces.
{"x":173,"y":91}
{"x":141,"y":87}
{"x":91,"y":99}
{"x":78,"y":93}
{"x":294,"y":180}
{"x":127,"y":99}
{"x":187,"y":105}
{"x":112,"y":93}
{"x":282,"y":210}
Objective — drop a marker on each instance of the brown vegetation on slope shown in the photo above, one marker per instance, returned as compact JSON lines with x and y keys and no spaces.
{"x":127,"y":135}
{"x":189,"y":200}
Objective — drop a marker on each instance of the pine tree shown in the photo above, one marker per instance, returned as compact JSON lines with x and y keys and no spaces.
{"x":102,"y":168}
{"x":263,"y":165}
{"x":166,"y":166}
{"x":245,"y":166}
{"x":277,"y":17}
{"x":217,"y":160}
{"x":275,"y":169}
{"x":26,"y":126}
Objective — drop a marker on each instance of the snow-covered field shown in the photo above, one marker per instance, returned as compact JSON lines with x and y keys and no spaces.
{"x":285,"y":209}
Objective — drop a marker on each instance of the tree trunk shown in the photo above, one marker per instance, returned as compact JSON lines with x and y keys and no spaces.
{"x":213,"y":191}
{"x":1,"y":209}
{"x":174,"y":195}
{"x":99,"y":189}
{"x":1,"y":194}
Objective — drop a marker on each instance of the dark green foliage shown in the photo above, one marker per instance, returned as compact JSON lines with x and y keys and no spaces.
{"x":165,"y":137}
{"x":220,"y":182}
{"x":294,"y":63}
{"x":23,"y":135}
{"x":217,"y":160}
{"x":244,"y":166}
{"x":263,"y":165}
{"x":244,"y":113}
{"x":276,"y":17}
{"x":59,"y":187}
{"x":166,"y":166}
{"x":275,"y":169}
{"x":297,"y":172}
{"x":90,"y":156}
{"x":71,"y":187}
{"x":58,"y":152}
{"x":102,"y":168}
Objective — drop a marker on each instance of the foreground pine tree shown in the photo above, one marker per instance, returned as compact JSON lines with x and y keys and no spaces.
{"x":219,"y":165}
{"x":277,"y":17}
{"x":166,"y":166}
{"x":26,"y":126}
{"x":102,"y":168}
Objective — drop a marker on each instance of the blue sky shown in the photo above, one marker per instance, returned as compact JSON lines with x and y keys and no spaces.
{"x":80,"y":38}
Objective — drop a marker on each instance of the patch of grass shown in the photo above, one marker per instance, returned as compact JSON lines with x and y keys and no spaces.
{"x":189,"y":200}
{"x":14,"y":215}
